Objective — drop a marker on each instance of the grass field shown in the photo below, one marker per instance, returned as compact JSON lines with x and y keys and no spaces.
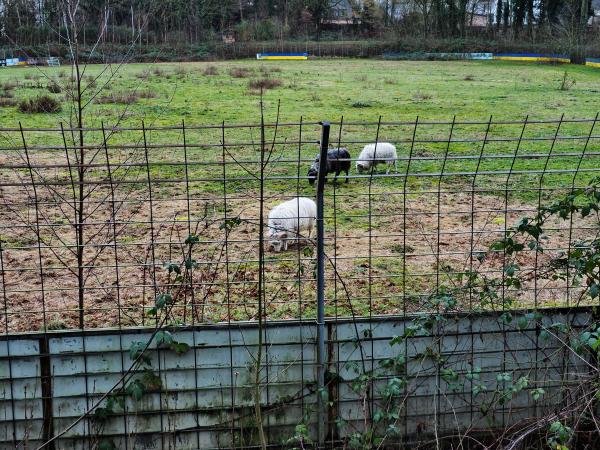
{"x":392,"y":241}
{"x":325,"y":90}
{"x":315,"y":90}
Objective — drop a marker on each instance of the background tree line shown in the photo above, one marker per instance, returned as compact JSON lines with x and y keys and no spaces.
{"x":153,"y":22}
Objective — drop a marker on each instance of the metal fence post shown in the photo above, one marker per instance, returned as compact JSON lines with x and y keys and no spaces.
{"x":321,"y":425}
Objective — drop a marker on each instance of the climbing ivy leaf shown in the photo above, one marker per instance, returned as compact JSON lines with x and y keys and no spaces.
{"x":151,"y":381}
{"x":172,"y":267}
{"x":396,"y":340}
{"x":192,"y":239}
{"x":136,"y":390}
{"x":180,"y":347}
{"x":164,"y":337}
{"x":537,"y":393}
{"x":522,"y":322}
{"x":136,"y":349}
{"x":163,"y":299}
{"x":191,"y":263}
{"x":230,"y":224}
{"x":106,"y":444}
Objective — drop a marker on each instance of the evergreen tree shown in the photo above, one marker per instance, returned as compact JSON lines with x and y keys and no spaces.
{"x":506,"y":16}
{"x":498,"y":14}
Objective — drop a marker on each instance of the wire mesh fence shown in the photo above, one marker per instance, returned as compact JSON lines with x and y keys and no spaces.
{"x":89,"y":218}
{"x":168,"y":227}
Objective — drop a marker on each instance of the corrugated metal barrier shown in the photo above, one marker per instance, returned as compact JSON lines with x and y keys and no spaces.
{"x":206,"y":396}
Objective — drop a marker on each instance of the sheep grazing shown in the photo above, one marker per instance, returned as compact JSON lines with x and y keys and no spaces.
{"x":373,"y":154}
{"x":288,"y":220}
{"x":338,"y":160}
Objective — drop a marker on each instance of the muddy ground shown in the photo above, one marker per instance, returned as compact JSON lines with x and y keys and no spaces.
{"x":392,"y":243}
{"x":389,"y":254}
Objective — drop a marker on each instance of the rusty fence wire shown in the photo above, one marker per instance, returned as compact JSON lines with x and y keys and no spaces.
{"x":91,"y":219}
{"x":97,"y":224}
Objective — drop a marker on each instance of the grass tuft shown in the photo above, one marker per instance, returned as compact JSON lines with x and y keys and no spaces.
{"x":264,"y":83}
{"x":54,"y":88}
{"x":146,"y":94}
{"x":90,"y":81}
{"x":124,"y":98}
{"x":210,"y":71}
{"x":567,"y":82}
{"x":118,"y":98}
{"x":8,"y":85}
{"x":56,"y":324}
{"x":270,"y":69}
{"x":181,"y":71}
{"x":7,"y":102}
{"x":41,"y":104}
{"x":158,"y":72}
{"x":240,"y":72}
{"x":421,"y":96}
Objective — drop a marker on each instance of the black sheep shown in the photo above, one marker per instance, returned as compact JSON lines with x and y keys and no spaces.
{"x":334,"y":165}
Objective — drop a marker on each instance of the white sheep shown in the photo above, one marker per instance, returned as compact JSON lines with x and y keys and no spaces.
{"x":382,"y":152}
{"x":288,"y":219}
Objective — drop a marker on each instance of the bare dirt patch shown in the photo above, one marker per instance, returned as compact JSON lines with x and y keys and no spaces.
{"x":387,"y":258}
{"x":390,"y":249}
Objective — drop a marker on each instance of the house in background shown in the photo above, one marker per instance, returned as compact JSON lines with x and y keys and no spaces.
{"x":478,"y":20}
{"x":341,"y":13}
{"x":594,"y":21}
{"x":228,"y":37}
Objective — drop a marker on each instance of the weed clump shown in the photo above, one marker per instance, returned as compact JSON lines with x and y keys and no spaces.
{"x":56,"y":324}
{"x":566,"y":83}
{"x":8,"y":85}
{"x":271,"y":69}
{"x":158,"y":72}
{"x":54,"y":88}
{"x":210,"y":71}
{"x":240,"y":72}
{"x":146,"y":94}
{"x":41,"y":104}
{"x":421,"y":96}
{"x":264,"y":83}
{"x":124,"y":98}
{"x":180,"y":71}
{"x":119,"y":98}
{"x":90,"y":81}
{"x":7,"y":102}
